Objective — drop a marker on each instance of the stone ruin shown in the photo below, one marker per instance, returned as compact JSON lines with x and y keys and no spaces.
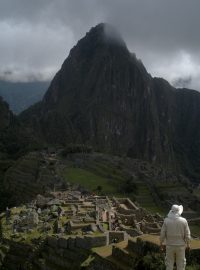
{"x":70,"y":213}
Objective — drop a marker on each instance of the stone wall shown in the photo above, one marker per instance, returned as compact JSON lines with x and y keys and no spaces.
{"x":120,"y":236}
{"x":142,"y":247}
{"x":62,"y":257}
{"x":129,"y":204}
{"x":127,"y":219}
{"x":85,"y":242}
{"x":131,"y":231}
{"x":17,"y":255}
{"x":124,"y":256}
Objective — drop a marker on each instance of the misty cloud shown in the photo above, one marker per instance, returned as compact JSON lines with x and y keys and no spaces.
{"x":182,"y":82}
{"x":36,"y":36}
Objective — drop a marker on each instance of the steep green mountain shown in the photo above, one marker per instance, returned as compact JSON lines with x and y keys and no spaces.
{"x":9,"y":145}
{"x":103,"y":96}
{"x":13,"y":138}
{"x":21,"y":95}
{"x":15,"y":141}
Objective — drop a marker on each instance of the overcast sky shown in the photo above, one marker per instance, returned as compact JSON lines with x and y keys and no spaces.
{"x":36,"y":35}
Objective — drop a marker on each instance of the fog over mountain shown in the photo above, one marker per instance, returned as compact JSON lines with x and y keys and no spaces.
{"x":164,"y":34}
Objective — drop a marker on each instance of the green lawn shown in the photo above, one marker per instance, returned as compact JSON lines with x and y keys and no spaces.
{"x":90,"y":180}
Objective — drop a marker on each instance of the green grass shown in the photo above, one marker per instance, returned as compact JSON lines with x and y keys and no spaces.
{"x":89,"y":180}
{"x":105,"y":225}
{"x":88,"y":261}
{"x":175,"y":188}
{"x":106,"y":170}
{"x":92,"y":179}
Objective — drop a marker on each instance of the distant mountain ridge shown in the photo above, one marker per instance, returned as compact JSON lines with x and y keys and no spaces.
{"x":21,"y":95}
{"x":103,"y":96}
{"x":13,"y":137}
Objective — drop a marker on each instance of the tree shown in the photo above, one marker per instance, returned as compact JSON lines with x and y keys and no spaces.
{"x":129,"y":186}
{"x":99,"y":189}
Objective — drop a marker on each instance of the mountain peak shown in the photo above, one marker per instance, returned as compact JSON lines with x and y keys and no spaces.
{"x":101,"y":35}
{"x":107,"y":31}
{"x":104,"y":97}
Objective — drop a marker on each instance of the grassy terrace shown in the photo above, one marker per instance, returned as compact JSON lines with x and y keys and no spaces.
{"x":109,"y":179}
{"x":90,"y":180}
{"x":145,"y":199}
{"x":107,"y":170}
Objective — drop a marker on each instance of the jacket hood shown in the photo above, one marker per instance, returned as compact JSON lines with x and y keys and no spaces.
{"x":173,"y":215}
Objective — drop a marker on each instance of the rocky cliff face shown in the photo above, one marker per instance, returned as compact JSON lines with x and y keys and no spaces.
{"x":103,"y":96}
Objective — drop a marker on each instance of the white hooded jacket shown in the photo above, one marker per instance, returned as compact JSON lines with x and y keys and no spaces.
{"x":175,"y":230}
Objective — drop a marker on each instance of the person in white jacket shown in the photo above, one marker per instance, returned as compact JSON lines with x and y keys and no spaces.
{"x":175,"y":234}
